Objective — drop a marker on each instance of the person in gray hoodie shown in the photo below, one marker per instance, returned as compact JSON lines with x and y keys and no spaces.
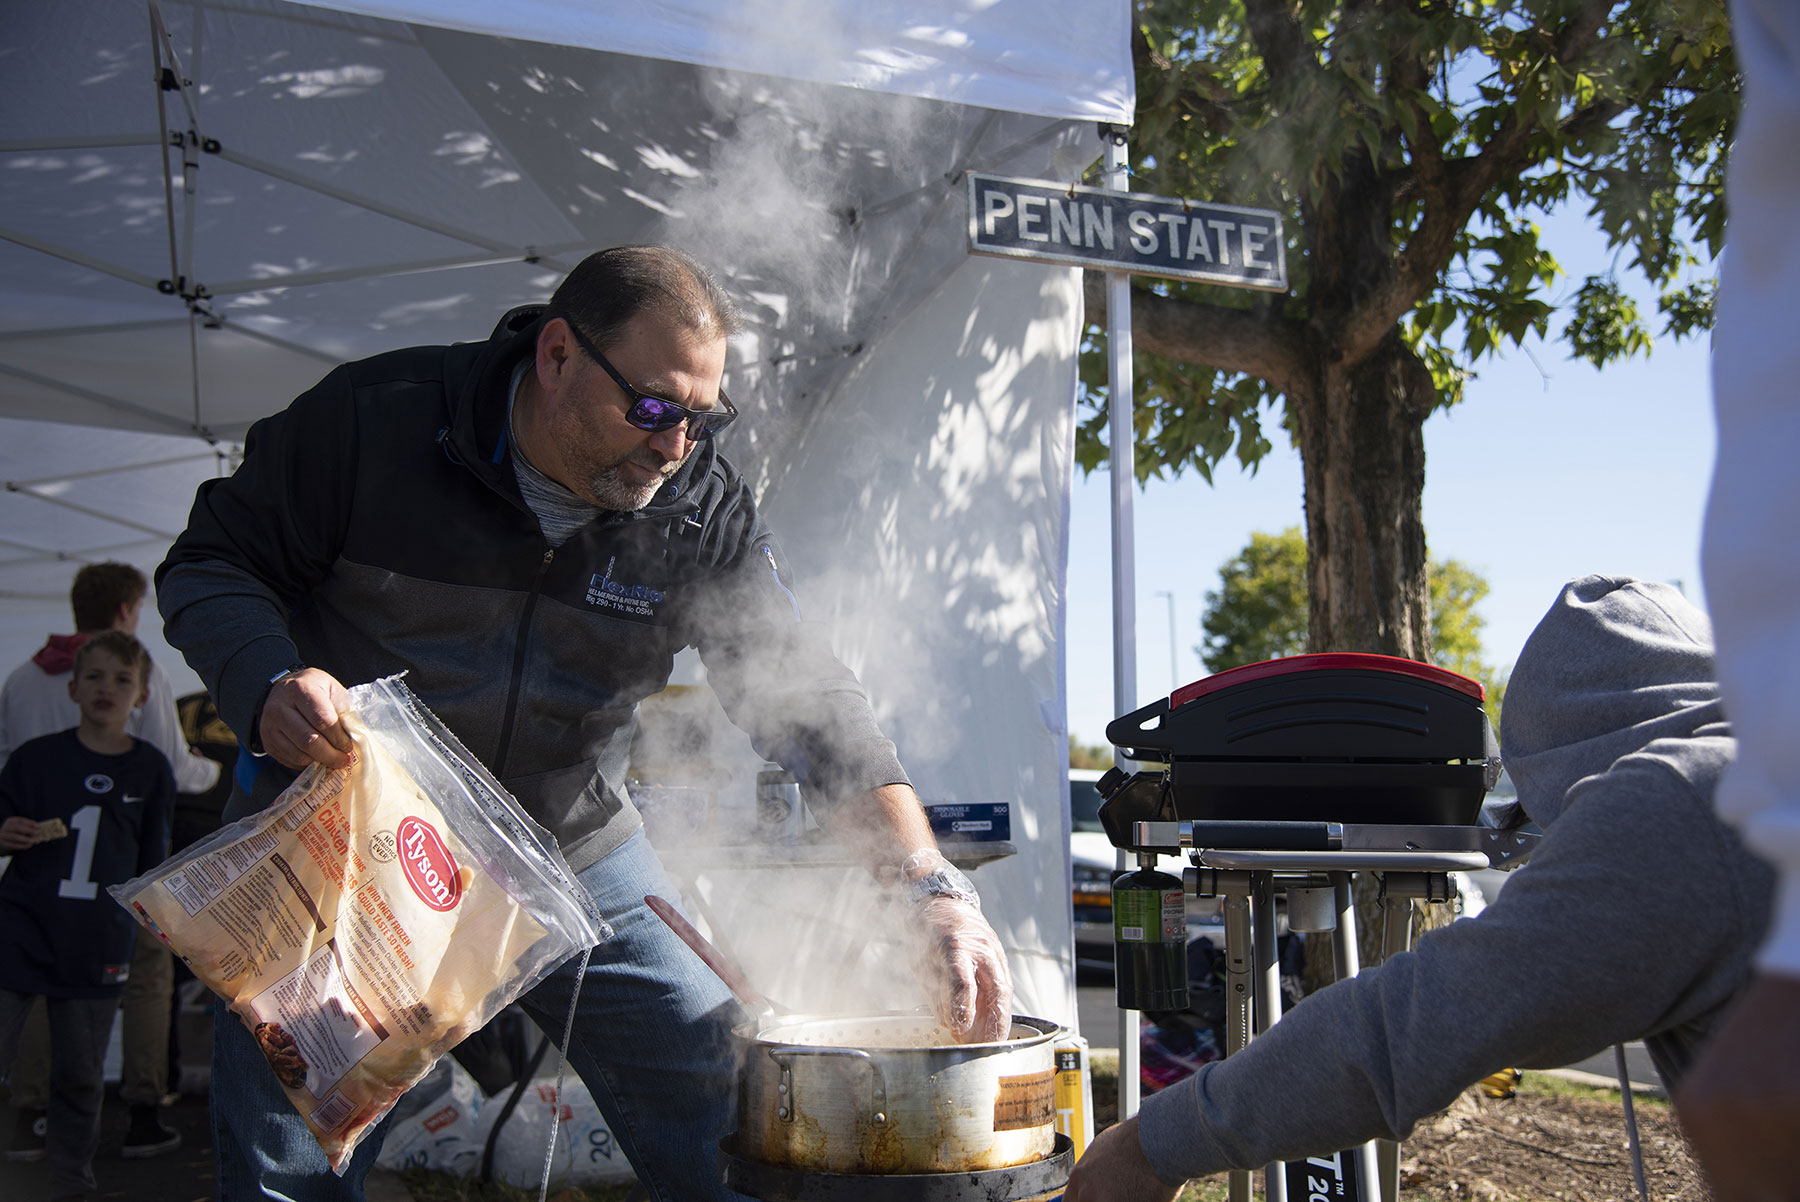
{"x":1636,"y":919}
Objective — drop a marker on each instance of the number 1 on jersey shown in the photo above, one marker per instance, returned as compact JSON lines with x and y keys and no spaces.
{"x":86,"y":825}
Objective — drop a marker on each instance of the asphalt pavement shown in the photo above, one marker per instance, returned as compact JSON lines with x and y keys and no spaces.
{"x":184,"y":1175}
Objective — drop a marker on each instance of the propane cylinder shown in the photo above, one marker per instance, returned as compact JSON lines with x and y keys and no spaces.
{"x":1150,"y":941}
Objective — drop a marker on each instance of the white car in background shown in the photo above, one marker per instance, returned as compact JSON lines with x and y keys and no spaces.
{"x":1093,"y":862}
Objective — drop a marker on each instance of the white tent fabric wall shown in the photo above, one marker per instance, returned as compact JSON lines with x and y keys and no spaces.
{"x":360,"y":183}
{"x":938,"y":566}
{"x":78,"y":495}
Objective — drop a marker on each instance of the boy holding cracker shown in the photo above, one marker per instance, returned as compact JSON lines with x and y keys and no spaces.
{"x":79,"y":810}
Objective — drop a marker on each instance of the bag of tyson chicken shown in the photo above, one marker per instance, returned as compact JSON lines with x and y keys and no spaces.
{"x":371,"y":917}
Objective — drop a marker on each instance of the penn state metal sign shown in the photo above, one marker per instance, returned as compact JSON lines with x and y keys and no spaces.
{"x":1129,"y":231}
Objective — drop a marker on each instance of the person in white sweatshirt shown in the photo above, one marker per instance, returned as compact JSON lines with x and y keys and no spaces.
{"x":1741,"y":1107}
{"x":35,"y":698}
{"x":35,"y":701}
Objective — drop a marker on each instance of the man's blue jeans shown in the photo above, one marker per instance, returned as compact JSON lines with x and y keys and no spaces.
{"x":652,"y":1042}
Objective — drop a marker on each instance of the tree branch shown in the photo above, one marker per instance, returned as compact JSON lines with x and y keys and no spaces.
{"x":1502,"y":156}
{"x":1407,"y":78}
{"x":1192,"y":93}
{"x":1447,"y":209}
{"x":1261,"y":345}
{"x":1586,"y":122}
{"x":1280,"y":40}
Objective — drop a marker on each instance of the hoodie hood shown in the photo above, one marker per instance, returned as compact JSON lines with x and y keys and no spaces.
{"x":58,"y":654}
{"x":1615,"y":665}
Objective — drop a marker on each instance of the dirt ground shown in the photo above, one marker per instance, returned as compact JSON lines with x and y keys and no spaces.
{"x":1550,"y":1141}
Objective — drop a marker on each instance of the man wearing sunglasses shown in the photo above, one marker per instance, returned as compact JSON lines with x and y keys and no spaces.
{"x":531,"y":528}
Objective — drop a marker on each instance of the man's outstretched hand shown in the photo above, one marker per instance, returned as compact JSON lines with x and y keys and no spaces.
{"x":1740,"y":1106}
{"x":954,"y":952}
{"x":1114,"y":1169}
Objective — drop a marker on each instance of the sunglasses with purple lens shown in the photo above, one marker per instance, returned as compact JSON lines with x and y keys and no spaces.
{"x":656,"y":413}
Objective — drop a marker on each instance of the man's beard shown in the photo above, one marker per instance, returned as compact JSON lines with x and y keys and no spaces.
{"x":614,"y":491}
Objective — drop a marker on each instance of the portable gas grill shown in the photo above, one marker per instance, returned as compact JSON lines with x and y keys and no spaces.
{"x":1294,"y":774}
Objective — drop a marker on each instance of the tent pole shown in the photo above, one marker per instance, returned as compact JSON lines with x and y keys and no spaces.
{"x":159,"y":48}
{"x":1120,"y":433}
{"x":100,"y":398}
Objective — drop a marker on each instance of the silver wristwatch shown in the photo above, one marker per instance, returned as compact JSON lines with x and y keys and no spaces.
{"x":946,"y":880}
{"x":254,"y":744}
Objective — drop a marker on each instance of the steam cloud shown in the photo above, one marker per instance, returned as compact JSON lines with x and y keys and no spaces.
{"x":774,"y":214}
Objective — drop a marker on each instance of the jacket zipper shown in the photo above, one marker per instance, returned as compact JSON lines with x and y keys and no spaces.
{"x":775,"y":571}
{"x":518,"y":667}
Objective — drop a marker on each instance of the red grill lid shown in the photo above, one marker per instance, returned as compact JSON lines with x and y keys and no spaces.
{"x":1331,"y":660}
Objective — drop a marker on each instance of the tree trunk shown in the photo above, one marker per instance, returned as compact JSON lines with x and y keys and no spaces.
{"x":1362,"y":450}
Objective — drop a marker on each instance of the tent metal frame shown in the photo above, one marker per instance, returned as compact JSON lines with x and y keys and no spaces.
{"x":187,"y":140}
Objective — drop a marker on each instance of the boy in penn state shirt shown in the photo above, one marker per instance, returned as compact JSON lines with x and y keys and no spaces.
{"x":80,"y":810}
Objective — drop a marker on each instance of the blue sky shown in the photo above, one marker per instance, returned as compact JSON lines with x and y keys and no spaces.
{"x":1537,"y":477}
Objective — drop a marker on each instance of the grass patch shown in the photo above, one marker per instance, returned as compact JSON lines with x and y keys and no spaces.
{"x":1545,"y":1085}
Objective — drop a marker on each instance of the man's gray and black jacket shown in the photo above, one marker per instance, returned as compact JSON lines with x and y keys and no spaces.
{"x":376,"y":527}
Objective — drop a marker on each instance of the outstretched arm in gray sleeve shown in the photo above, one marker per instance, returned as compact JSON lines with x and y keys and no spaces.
{"x":1599,"y":939}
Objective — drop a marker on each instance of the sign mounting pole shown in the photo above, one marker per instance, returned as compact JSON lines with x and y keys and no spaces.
{"x":1125,"y":233}
{"x":1121,"y":433}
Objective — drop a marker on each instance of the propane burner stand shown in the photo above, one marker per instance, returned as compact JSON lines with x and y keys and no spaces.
{"x":1041,"y":1179}
{"x":1313,"y":866}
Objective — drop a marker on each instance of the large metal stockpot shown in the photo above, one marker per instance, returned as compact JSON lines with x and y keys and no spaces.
{"x":892,"y":1093}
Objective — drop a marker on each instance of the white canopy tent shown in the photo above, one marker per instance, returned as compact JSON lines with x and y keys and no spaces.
{"x":314,"y":183}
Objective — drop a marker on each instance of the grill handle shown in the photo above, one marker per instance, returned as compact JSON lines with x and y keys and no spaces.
{"x":1138,"y":732}
{"x":1268,"y":835}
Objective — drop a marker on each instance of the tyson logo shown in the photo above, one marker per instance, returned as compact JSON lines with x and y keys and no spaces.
{"x":429,"y":869}
{"x":443,"y":1118}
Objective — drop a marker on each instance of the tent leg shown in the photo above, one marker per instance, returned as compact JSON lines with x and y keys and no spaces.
{"x":1124,"y":553}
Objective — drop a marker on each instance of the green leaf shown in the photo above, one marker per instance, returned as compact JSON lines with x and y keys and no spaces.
{"x":1259,"y":611}
{"x":1328,"y":144}
{"x":1605,"y":325}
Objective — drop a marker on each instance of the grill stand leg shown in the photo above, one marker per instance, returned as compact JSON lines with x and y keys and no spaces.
{"x":1396,"y":937}
{"x":1253,"y":990}
{"x":1349,"y":963}
{"x":1239,"y":940}
{"x":1268,"y":994}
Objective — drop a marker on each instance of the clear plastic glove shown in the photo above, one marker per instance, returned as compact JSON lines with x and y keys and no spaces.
{"x":960,"y":960}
